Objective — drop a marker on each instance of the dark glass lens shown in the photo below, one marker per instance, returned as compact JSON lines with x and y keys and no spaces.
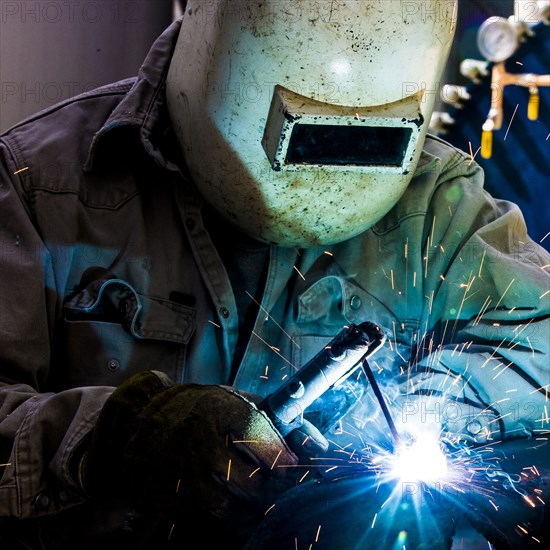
{"x":348,"y":145}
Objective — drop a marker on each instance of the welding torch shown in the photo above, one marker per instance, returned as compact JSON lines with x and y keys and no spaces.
{"x":330,"y":367}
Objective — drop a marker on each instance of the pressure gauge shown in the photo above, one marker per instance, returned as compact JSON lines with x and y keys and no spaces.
{"x":497,"y":39}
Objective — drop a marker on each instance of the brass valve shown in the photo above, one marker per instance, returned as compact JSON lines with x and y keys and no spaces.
{"x":499,"y":80}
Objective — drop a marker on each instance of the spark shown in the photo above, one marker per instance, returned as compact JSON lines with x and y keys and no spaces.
{"x":548,"y":231}
{"x":20,"y":170}
{"x":505,"y":368}
{"x":270,"y":317}
{"x":5,"y":464}
{"x":255,"y":471}
{"x":276,"y":458}
{"x":481,"y":263}
{"x":544,"y":418}
{"x":492,"y":356}
{"x":511,"y":119}
{"x":298,"y":271}
{"x":171,"y":531}
{"x":472,"y":154}
{"x":529,"y":501}
{"x":328,"y":253}
{"x":500,"y":417}
{"x":431,"y":299}
{"x":228,"y":469}
{"x":392,"y":281}
{"x":494,"y":505}
{"x":471,"y":279}
{"x":503,"y":400}
{"x":178,"y":486}
{"x":274,"y":349}
{"x":504,"y":293}
{"x":303,"y":477}
{"x":374,"y":520}
{"x":543,"y":295}
{"x":317,"y":535}
{"x":215,"y":324}
{"x":426,"y":258}
{"x":269,"y":509}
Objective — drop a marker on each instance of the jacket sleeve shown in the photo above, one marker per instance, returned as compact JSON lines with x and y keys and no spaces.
{"x":39,"y":429}
{"x":487,"y":304}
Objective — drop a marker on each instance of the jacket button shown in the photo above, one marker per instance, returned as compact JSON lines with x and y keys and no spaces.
{"x":224,"y":312}
{"x":474,"y":427}
{"x":113,"y":365}
{"x":42,"y":500}
{"x":65,"y":496}
{"x":190,"y":223}
{"x":355,"y":302}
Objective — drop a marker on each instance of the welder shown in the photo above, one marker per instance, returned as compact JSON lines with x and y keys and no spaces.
{"x":175,"y":246}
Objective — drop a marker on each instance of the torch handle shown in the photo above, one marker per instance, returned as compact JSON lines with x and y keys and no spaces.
{"x":286,"y":406}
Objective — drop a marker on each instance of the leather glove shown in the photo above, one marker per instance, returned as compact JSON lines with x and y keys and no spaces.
{"x":188,"y":451}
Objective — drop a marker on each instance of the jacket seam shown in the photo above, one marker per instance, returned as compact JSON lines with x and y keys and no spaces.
{"x":86,"y":201}
{"x":97,"y":93}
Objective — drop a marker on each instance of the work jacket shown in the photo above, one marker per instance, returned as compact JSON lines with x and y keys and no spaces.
{"x":107,"y":269}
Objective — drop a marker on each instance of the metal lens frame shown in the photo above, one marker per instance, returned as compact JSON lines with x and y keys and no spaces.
{"x":301,"y":134}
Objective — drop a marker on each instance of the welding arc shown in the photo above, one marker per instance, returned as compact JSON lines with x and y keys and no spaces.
{"x":380,"y":397}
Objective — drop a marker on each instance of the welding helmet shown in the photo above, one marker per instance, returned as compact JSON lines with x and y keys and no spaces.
{"x":302,"y":122}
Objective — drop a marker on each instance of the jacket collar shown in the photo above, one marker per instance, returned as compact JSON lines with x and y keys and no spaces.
{"x":144,"y":106}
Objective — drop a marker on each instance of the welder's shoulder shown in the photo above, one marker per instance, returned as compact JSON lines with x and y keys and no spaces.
{"x":444,"y":161}
{"x":63,"y":132}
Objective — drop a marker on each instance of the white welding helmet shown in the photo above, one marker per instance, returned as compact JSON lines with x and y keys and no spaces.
{"x":302,"y":122}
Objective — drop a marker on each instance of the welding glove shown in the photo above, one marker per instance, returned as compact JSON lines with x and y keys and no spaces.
{"x":189,"y":451}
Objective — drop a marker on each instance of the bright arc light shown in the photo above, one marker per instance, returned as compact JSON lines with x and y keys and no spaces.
{"x":421,"y":460}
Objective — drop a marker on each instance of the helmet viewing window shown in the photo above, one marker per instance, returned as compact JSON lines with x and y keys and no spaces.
{"x":302,"y":133}
{"x":325,"y":144}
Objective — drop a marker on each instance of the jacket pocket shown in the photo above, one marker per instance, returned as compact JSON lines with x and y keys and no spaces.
{"x":111,"y":332}
{"x":337,"y":300}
